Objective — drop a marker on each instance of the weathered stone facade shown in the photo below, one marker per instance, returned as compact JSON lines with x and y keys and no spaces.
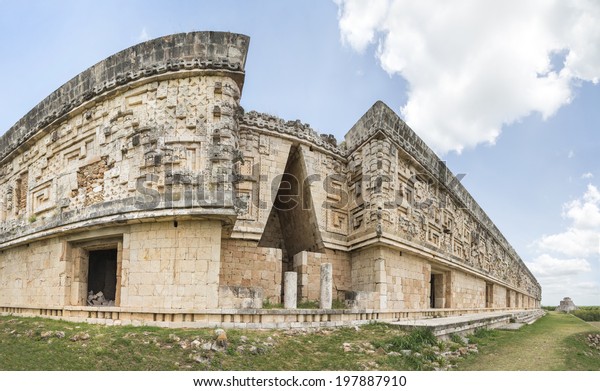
{"x":148,"y":160}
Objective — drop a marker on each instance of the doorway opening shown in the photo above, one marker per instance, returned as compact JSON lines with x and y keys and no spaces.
{"x":489,"y":295}
{"x":102,"y":277}
{"x":437,"y":296}
{"x":94,"y":266}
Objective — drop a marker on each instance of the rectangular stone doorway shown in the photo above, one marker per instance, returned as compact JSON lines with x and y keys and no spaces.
{"x":102,"y":273}
{"x":489,"y":295}
{"x":94,"y":266}
{"x":437,"y":297}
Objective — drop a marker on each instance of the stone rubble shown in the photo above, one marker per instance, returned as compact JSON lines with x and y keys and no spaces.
{"x":594,"y":340}
{"x":98,"y":299}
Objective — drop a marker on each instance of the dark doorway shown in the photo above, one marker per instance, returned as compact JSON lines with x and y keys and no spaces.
{"x":432,"y":290}
{"x":102,"y":273}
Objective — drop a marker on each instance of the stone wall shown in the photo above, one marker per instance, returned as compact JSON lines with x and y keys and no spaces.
{"x":33,"y":275}
{"x":150,"y":154}
{"x":342,"y":283}
{"x":499,"y":296}
{"x":467,"y":291}
{"x":180,"y":270}
{"x":399,"y":187}
{"x":244,"y":264}
{"x":407,"y":280}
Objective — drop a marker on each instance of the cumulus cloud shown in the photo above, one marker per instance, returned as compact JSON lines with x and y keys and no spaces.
{"x":474,"y":66}
{"x":546,"y":265}
{"x":582,"y":236}
{"x":587,"y":175}
{"x":564,"y":264}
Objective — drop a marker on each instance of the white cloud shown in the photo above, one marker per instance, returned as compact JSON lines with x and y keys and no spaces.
{"x":571,"y":243}
{"x":582,"y":292}
{"x":564,"y":264}
{"x":546,"y":265}
{"x":472,"y":66}
{"x":582,"y":236}
{"x":587,"y":175}
{"x":571,"y":154}
{"x":585,"y":212}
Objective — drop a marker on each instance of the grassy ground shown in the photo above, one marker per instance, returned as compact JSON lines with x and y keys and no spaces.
{"x":43,"y":344}
{"x":555,"y":342}
{"x":597,"y":324}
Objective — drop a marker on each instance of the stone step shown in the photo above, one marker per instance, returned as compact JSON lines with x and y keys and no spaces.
{"x":467,"y":324}
{"x":510,"y":326}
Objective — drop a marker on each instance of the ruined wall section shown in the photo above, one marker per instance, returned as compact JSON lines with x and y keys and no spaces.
{"x":400,"y":187}
{"x":153,"y":127}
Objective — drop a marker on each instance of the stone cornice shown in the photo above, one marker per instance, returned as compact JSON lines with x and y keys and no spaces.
{"x":292,"y":128}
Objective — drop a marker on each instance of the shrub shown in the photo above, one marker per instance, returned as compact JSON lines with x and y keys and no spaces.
{"x":589,"y":315}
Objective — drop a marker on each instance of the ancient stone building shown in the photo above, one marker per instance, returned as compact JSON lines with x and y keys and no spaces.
{"x":144,"y":178}
{"x":566,"y":305}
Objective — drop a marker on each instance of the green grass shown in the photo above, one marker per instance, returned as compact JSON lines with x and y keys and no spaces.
{"x":554,"y":342}
{"x":22,"y":347}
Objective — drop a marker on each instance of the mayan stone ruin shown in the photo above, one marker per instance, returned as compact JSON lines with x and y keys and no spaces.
{"x":143,"y":179}
{"x":566,"y":305}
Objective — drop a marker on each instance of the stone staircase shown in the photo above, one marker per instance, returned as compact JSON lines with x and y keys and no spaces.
{"x":521,"y":318}
{"x":466,"y":324}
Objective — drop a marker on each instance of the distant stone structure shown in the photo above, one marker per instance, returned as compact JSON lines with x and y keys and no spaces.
{"x":566,"y":305}
{"x":144,"y":179}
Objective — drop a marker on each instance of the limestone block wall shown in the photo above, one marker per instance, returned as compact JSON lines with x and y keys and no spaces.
{"x":468,"y":291}
{"x":244,"y":264}
{"x":172,"y":267}
{"x":33,"y":275}
{"x":499,"y":300}
{"x":511,"y":298}
{"x":363,"y":269}
{"x":342,"y":280}
{"x":407,"y":280}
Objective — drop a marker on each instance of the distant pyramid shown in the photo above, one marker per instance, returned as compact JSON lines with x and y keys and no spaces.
{"x":566,"y":305}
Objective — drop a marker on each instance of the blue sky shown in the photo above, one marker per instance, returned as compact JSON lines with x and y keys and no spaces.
{"x":504,"y":93}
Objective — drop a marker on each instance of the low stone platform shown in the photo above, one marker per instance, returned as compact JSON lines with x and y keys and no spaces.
{"x":452,"y":320}
{"x":468,"y":323}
